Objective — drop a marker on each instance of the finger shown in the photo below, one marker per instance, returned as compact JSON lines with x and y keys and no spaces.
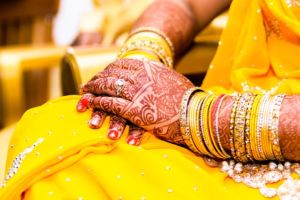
{"x":116,"y":127}
{"x":97,"y":119}
{"x":135,"y":135}
{"x":85,"y":102}
{"x":113,"y":87}
{"x":105,"y":85}
{"x":113,"y":105}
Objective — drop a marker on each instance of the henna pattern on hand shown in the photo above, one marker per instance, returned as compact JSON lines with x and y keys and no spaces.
{"x":152,"y":102}
{"x":156,"y":105}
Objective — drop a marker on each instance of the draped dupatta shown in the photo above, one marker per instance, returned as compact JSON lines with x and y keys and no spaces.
{"x":259,"y":49}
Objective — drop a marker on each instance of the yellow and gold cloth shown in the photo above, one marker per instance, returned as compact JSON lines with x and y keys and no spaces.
{"x":260,"y":47}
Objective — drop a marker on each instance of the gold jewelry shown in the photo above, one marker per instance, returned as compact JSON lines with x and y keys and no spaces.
{"x":239,"y":128}
{"x":247,"y":128}
{"x":150,"y":43}
{"x":205,"y":126}
{"x":184,"y":128}
{"x":259,"y":132}
{"x":265,"y":138}
{"x":232,"y":120}
{"x":225,"y":155}
{"x":278,"y":99}
{"x":160,"y":33}
{"x":194,"y":117}
{"x":253,"y":125}
{"x":141,"y":55}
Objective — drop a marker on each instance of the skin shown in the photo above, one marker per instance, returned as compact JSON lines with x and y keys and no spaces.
{"x":152,"y":93}
{"x":180,"y":20}
{"x":150,"y":98}
{"x":149,"y":101}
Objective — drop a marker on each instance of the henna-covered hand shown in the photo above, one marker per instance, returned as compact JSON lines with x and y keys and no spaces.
{"x":150,"y":97}
{"x":116,"y":126}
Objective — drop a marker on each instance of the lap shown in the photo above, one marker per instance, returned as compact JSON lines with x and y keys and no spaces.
{"x":70,"y":160}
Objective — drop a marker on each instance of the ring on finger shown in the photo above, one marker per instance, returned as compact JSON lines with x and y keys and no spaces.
{"x":119,"y":85}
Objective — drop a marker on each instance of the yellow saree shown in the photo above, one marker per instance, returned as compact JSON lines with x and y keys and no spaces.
{"x":55,"y":155}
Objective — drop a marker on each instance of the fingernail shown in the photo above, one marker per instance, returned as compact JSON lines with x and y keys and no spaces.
{"x":94,"y":122}
{"x":133,"y":141}
{"x":114,"y":134}
{"x":85,"y":102}
{"x":81,"y":108}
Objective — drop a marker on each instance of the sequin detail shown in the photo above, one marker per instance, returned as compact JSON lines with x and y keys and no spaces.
{"x":16,"y":163}
{"x":259,"y":176}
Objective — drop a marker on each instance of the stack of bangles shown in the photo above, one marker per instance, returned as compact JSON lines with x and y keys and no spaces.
{"x":254,"y":121}
{"x":148,"y":43}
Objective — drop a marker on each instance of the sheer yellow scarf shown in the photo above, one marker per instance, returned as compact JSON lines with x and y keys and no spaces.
{"x":259,"y":49}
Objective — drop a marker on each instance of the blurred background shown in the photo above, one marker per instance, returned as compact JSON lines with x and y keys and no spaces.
{"x":49,"y":48}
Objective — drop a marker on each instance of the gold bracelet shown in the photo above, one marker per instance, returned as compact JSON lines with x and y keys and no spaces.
{"x":160,"y":33}
{"x":278,"y":99}
{"x":141,"y":55}
{"x":225,"y":155}
{"x":265,"y":138}
{"x":184,"y":128}
{"x":204,"y":119}
{"x":148,"y":42}
{"x":193,"y":112}
{"x":253,"y":125}
{"x":232,"y":120}
{"x":259,"y":132}
{"x":239,"y":128}
{"x":247,"y":128}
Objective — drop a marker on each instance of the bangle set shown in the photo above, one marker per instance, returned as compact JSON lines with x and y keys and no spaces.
{"x":148,"y":43}
{"x":253,"y":128}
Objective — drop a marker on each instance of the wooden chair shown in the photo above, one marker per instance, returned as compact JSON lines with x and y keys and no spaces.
{"x":14,"y":62}
{"x":26,"y":21}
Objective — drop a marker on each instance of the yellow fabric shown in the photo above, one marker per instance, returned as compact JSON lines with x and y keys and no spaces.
{"x":259,"y":47}
{"x":75,"y":161}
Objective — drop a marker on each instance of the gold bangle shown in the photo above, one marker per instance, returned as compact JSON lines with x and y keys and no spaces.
{"x":225,"y":155}
{"x":278,"y":99}
{"x":259,"y":133}
{"x":184,"y":128}
{"x":231,"y":127}
{"x":204,"y":124}
{"x":148,"y":42}
{"x":247,"y":128}
{"x":141,"y":55}
{"x":266,"y":143}
{"x":160,"y":33}
{"x":239,"y":128}
{"x":253,"y":125}
{"x":193,"y":112}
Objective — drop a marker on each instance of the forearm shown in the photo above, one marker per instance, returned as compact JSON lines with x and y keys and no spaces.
{"x":180,"y":20}
{"x":288,"y":129}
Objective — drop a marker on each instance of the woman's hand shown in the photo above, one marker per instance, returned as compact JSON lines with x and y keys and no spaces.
{"x":116,"y":126}
{"x":150,"y":96}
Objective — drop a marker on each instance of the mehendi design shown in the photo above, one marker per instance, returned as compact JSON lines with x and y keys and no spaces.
{"x":182,"y":29}
{"x":152,"y":102}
